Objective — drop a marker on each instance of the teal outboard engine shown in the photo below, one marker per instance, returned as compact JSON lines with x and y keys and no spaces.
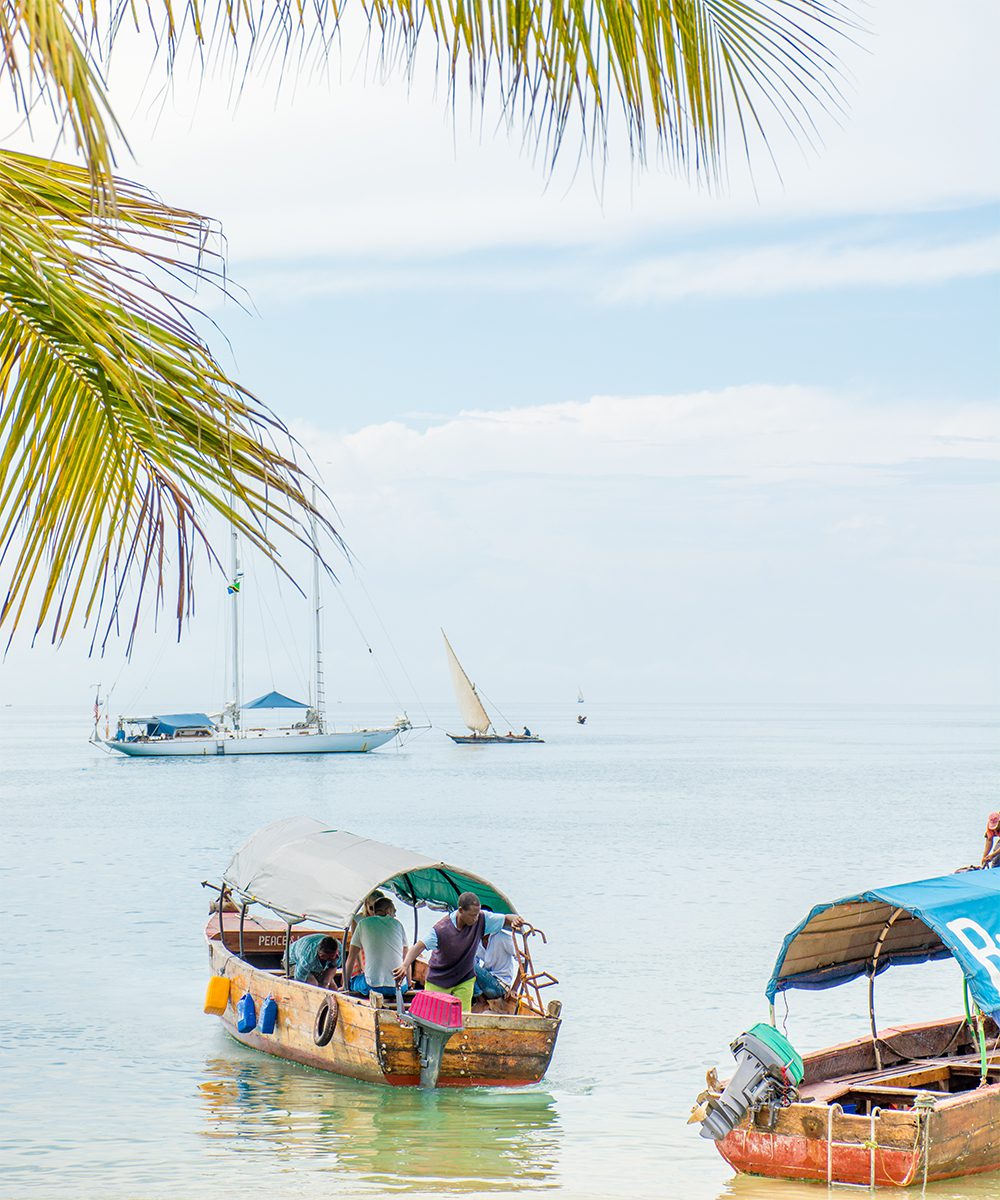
{"x":768,"y":1070}
{"x":435,"y":1016}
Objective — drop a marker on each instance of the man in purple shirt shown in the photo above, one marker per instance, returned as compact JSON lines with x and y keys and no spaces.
{"x":453,"y":943}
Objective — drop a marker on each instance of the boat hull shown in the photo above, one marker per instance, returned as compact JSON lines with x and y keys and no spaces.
{"x":372,"y":1044}
{"x":895,"y":1144}
{"x":356,"y":742}
{"x":461,"y":739}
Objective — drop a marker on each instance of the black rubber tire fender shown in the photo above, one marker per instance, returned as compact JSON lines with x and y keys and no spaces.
{"x":326,"y":1021}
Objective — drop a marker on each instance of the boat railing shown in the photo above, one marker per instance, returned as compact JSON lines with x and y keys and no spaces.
{"x":529,"y":983}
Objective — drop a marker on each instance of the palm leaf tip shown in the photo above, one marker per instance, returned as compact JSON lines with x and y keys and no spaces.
{"x":119,"y":432}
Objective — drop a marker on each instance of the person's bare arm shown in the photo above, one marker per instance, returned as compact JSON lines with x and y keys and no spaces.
{"x":513,"y":921}
{"x":986,"y":851}
{"x":353,"y":962}
{"x":403,"y":970}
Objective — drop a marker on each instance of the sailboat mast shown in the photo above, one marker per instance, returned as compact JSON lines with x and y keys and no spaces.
{"x":235,"y":650}
{"x":319,"y":691}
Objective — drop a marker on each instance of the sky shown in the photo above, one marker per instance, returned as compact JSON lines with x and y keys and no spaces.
{"x":608,"y":427}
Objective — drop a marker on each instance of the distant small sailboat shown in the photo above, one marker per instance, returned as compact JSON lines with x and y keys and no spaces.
{"x":475,"y":716}
{"x":579,"y":695}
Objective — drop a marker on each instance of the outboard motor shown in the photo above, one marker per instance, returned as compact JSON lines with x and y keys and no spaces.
{"x":768,"y":1070}
{"x":435,"y":1016}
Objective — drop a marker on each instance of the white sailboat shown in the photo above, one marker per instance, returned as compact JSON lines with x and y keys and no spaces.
{"x":167,"y":735}
{"x":476,"y":718}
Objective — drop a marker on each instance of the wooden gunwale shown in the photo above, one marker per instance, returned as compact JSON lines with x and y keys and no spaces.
{"x":371,"y":1044}
{"x":960,"y":1132}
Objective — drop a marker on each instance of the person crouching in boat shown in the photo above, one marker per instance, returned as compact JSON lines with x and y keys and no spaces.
{"x":453,"y":943}
{"x":495,"y":966}
{"x":314,"y":959}
{"x":991,"y":851}
{"x":383,"y":940}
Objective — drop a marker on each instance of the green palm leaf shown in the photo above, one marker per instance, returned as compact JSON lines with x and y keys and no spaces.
{"x":119,"y":432}
{"x":118,"y":429}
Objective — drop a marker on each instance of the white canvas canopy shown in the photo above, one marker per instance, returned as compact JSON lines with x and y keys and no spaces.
{"x":304,"y":870}
{"x":471,"y":707}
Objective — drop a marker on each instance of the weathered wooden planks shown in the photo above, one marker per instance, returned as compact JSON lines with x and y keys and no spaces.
{"x":371,"y":1043}
{"x":812,"y":1140}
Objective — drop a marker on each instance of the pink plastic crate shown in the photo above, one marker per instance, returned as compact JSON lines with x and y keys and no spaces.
{"x":438,"y":1007}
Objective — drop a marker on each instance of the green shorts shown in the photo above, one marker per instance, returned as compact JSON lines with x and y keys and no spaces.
{"x":462,"y":990}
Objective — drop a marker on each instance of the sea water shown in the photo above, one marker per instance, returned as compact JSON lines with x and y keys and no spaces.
{"x":665,"y":851}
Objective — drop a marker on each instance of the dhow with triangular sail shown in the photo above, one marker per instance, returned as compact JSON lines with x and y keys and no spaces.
{"x":476,"y":718}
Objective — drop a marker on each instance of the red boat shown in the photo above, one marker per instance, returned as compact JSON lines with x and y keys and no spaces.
{"x":898,"y":1106}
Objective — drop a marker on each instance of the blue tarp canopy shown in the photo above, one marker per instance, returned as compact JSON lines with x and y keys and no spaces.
{"x":953,"y":915}
{"x":170,"y":723}
{"x":275,"y":700}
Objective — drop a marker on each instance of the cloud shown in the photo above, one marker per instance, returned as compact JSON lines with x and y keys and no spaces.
{"x":803,"y":267}
{"x":341,"y":166}
{"x":753,"y":434}
{"x":772,"y":269}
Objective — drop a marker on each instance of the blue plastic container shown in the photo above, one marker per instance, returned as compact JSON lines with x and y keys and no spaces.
{"x":246,"y":1014}
{"x":268,"y":1015}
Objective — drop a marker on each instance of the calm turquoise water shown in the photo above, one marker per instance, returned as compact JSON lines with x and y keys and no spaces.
{"x":665,"y":851}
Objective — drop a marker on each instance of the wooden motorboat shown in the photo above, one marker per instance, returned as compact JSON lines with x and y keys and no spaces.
{"x":279,"y":869}
{"x":898,"y":1106}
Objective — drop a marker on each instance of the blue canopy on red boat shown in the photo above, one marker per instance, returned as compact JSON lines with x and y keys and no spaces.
{"x":949,"y":916}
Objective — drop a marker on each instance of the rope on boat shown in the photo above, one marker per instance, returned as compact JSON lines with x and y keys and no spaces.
{"x":923,"y":1106}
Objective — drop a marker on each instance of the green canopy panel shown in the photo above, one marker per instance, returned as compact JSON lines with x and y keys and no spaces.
{"x":302,"y":869}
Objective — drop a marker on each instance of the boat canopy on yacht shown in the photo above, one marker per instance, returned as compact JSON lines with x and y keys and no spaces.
{"x":304,"y":870}
{"x":167,"y":724}
{"x":952,"y":915}
{"x":275,"y":700}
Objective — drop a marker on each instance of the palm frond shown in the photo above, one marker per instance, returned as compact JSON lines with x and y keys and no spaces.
{"x":44,"y":58}
{"x":119,"y":431}
{"x":679,"y":70}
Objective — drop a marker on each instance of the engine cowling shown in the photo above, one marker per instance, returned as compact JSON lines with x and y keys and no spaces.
{"x":768,"y":1070}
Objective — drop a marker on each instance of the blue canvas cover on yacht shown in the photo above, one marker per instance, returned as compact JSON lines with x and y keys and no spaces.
{"x":170,"y":723}
{"x":951,"y":915}
{"x":275,"y":700}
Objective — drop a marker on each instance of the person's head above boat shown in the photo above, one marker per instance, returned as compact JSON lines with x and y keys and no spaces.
{"x":469,"y":906}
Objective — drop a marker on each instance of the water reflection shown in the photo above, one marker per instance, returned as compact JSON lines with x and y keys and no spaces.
{"x":455,"y":1141}
{"x":746,"y":1187}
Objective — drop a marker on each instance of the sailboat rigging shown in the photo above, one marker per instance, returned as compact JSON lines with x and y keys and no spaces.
{"x":198,"y":734}
{"x":474,"y":714}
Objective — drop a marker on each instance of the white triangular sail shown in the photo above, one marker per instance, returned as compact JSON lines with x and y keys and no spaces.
{"x":469,"y":704}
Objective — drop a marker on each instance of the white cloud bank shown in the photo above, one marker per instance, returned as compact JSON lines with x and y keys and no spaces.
{"x":804,"y":267}
{"x":736,"y":270}
{"x":755,"y":434}
{"x":748,"y":545}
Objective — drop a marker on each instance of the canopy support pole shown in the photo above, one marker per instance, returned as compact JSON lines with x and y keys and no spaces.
{"x":977,"y":1024}
{"x":288,"y":941}
{"x":871,"y":984}
{"x":871,"y":1017}
{"x":243,"y":913}
{"x":413,"y":905}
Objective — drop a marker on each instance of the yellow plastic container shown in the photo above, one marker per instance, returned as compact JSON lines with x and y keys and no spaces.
{"x":217,"y":995}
